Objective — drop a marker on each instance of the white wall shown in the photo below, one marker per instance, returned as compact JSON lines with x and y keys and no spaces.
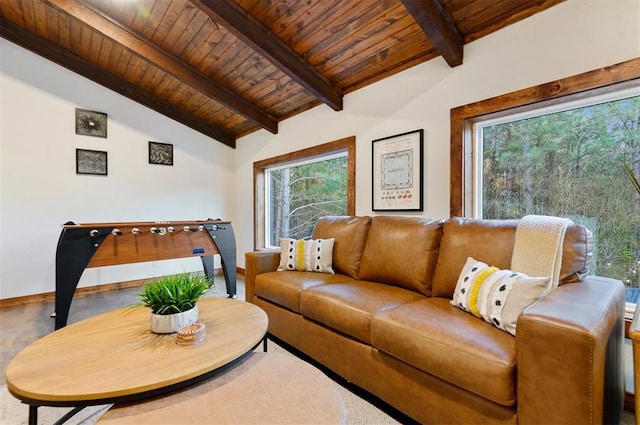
{"x":39,"y":189}
{"x":567,"y":39}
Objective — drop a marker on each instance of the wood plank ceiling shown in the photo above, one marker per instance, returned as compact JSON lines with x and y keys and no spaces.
{"x":227,"y":68}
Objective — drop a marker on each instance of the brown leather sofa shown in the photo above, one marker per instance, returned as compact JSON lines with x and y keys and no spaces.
{"x":384,"y":322}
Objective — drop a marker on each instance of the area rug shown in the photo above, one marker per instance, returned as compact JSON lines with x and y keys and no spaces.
{"x":358,"y":410}
{"x":12,"y":411}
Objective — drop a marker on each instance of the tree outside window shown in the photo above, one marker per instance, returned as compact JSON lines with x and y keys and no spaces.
{"x":300,"y":194}
{"x":572,"y":164}
{"x":293,"y":190}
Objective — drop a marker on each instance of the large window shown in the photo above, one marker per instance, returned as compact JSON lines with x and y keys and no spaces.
{"x":557,"y":149}
{"x":294,"y":190}
{"x":299,"y":193}
{"x":568,"y":160}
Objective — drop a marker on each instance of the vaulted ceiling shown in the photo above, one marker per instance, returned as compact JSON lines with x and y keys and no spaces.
{"x":227,"y":68}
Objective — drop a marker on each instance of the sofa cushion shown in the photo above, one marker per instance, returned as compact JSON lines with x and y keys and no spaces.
{"x":401,"y":251}
{"x":350,"y":234}
{"x":433,"y":336}
{"x":284,"y":288}
{"x":314,"y":255}
{"x":349,"y":307}
{"x":492,"y":241}
{"x":498,"y":296}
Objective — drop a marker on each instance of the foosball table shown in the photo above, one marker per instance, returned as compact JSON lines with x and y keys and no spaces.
{"x":88,"y":245}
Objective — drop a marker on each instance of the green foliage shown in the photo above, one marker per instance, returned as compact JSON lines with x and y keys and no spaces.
{"x":173,"y":294}
{"x":302,"y":194}
{"x":568,"y":164}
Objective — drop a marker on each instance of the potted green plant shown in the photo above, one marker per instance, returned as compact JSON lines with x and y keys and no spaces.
{"x":173,"y":300}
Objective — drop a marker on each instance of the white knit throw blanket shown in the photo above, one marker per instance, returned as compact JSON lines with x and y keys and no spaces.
{"x":538,"y":246}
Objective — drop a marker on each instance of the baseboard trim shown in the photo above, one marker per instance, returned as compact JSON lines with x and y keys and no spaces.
{"x":87,"y":290}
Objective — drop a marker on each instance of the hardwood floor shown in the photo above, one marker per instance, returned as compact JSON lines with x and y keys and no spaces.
{"x":23,"y":324}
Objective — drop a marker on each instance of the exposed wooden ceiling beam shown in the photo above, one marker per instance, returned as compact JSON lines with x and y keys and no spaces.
{"x":261,"y":39}
{"x":439,"y":27}
{"x":170,"y":64}
{"x":82,"y":67}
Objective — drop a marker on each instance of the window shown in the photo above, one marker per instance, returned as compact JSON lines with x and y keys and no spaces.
{"x":297,"y":194}
{"x":294,"y":190}
{"x":557,"y":149}
{"x":568,"y":161}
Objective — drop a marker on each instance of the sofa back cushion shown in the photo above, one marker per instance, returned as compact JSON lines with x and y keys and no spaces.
{"x":350,"y":234}
{"x":492,"y":241}
{"x":402,"y":251}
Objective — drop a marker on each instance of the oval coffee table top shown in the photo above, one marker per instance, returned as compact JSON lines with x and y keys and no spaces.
{"x":115,"y":356}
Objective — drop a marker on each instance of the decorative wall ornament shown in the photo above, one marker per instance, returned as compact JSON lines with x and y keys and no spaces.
{"x":397,"y":172}
{"x":160,"y":153}
{"x":91,"y":123}
{"x":91,"y":162}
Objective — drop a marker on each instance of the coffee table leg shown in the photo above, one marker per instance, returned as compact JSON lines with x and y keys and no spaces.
{"x":33,"y":415}
{"x":264,"y":344}
{"x":68,"y":415}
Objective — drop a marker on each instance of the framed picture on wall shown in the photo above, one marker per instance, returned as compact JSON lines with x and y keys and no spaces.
{"x":160,"y":153}
{"x":397,"y":172}
{"x":91,"y":123}
{"x":91,"y":162}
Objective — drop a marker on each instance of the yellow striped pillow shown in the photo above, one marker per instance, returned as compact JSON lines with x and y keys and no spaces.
{"x":313,"y":255}
{"x":497,"y":296}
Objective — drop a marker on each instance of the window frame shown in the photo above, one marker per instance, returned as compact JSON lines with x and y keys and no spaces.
{"x":463,"y":118}
{"x":347,"y":144}
{"x":474,"y":206}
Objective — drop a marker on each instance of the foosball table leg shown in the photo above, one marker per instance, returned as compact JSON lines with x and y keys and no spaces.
{"x":225,"y":240}
{"x":207,"y":265}
{"x":75,"y":249}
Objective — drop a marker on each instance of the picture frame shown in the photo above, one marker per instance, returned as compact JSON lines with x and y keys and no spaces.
{"x":91,"y":162}
{"x":160,"y":153}
{"x":91,"y":123}
{"x":398,"y":172}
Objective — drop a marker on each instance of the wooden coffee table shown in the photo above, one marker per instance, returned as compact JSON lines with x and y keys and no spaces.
{"x":115,"y":358}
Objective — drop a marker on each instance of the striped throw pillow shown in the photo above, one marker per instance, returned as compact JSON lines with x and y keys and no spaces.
{"x":313,"y":255}
{"x":497,"y":296}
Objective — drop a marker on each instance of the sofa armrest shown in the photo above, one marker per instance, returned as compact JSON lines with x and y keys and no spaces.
{"x":257,"y":262}
{"x":569,"y":354}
